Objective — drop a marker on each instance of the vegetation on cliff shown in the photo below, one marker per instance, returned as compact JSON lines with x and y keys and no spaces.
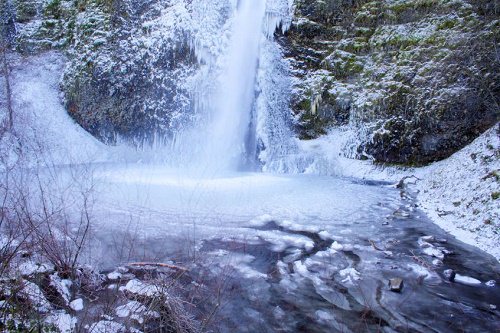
{"x":415,"y":79}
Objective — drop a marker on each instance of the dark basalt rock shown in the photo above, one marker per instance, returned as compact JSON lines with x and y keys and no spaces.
{"x":449,"y":274}
{"x":432,"y":95}
{"x":396,"y":285}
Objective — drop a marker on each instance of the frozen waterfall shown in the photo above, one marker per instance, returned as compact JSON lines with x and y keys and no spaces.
{"x":240,"y":90}
{"x":228,"y":126}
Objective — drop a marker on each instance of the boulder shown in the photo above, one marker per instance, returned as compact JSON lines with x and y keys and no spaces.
{"x":396,"y":284}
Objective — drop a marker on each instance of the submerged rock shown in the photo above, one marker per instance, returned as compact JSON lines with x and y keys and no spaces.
{"x":396,"y":285}
{"x":449,"y":274}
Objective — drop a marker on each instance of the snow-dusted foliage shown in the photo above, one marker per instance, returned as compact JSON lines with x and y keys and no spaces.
{"x":414,"y":81}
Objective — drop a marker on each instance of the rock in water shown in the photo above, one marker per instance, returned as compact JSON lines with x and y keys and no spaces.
{"x":449,"y":274}
{"x":396,"y":285}
{"x":491,"y":283}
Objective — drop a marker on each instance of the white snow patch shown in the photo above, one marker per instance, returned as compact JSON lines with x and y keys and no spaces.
{"x":467,"y":280}
{"x":63,"y":321}
{"x":142,"y":289}
{"x":106,"y":326}
{"x":261,"y":220}
{"x":114,"y":275}
{"x":350,"y":275}
{"x":434,"y":252}
{"x":62,"y":286}
{"x":457,"y":193}
{"x":35,"y":295}
{"x":30,"y":267}
{"x":76,"y":304}
{"x":41,"y":123}
{"x":132,"y":307}
{"x":325,"y":235}
{"x":337,"y":246}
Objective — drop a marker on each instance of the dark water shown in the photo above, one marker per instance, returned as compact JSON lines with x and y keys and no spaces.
{"x":336,"y":283}
{"x":309,"y":291}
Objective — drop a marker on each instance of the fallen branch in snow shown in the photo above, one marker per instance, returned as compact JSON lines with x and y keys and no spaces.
{"x":401,"y":183}
{"x":375,"y":245}
{"x":157,"y":264}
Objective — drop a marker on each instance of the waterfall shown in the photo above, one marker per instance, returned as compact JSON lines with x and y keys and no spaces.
{"x":230,"y":116}
{"x":240,"y":89}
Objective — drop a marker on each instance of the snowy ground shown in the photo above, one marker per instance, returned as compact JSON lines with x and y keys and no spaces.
{"x":460,"y":194}
{"x":43,"y":131}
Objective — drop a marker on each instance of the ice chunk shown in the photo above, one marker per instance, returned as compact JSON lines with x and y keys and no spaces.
{"x":467,"y":280}
{"x":76,"y":304}
{"x":349,"y":275}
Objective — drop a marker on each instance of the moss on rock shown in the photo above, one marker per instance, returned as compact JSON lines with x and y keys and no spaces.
{"x":417,"y":73}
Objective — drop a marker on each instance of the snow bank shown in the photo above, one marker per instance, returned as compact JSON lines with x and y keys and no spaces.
{"x":43,"y":128}
{"x":461,"y":193}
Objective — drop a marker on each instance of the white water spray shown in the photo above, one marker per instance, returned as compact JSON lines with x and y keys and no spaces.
{"x":230,"y":118}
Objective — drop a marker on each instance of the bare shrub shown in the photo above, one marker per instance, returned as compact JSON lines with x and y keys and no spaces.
{"x":50,"y":208}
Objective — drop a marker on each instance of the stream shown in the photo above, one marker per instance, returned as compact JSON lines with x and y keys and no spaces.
{"x":298,"y":253}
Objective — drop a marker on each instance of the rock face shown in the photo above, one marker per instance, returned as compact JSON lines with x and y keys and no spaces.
{"x":122,"y":79}
{"x":415,"y":79}
{"x":125,"y":61}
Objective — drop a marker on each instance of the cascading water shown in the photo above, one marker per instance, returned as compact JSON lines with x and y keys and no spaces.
{"x":240,"y":90}
{"x":230,"y":114}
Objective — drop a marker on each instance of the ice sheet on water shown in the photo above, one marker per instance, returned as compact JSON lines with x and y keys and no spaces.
{"x":235,"y":202}
{"x":240,"y":262}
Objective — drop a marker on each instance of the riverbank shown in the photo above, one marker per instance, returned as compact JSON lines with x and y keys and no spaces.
{"x":462,"y":193}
